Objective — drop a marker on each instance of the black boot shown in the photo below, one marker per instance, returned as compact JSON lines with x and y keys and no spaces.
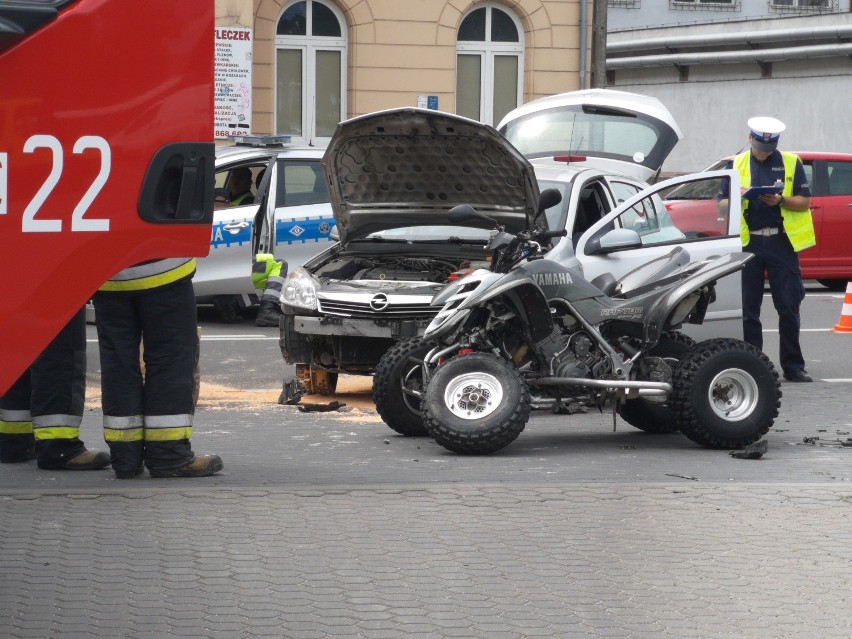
{"x":228,"y":309}
{"x":268,"y":315}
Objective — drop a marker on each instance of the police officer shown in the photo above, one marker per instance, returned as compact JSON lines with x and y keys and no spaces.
{"x":40,"y":415}
{"x":148,"y":418}
{"x":774,"y":228}
{"x":239,"y":187}
{"x":268,"y":275}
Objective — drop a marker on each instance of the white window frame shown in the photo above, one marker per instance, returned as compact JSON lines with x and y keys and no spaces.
{"x":309,"y":46}
{"x":488,"y":50}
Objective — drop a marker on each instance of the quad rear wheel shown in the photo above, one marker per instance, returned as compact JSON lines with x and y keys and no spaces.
{"x":726,"y":394}
{"x":655,"y":416}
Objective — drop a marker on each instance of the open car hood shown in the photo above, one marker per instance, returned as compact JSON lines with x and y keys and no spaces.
{"x":409,"y":167}
{"x":614,"y":130}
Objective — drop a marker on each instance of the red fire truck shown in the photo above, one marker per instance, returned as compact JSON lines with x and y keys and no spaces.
{"x":106,"y":153}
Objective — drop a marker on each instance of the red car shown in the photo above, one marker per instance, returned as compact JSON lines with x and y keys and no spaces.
{"x":693,"y":209}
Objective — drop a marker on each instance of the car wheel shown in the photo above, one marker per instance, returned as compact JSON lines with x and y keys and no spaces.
{"x":316,"y":382}
{"x":726,"y":394}
{"x":834,"y":285}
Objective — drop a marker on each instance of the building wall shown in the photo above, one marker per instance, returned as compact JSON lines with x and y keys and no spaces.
{"x":636,"y":15}
{"x":809,"y":94}
{"x":400,"y":49}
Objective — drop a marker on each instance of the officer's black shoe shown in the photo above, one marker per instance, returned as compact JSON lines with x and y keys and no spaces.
{"x":228,"y":309}
{"x":797,"y":376}
{"x":268,"y":314}
{"x":84,"y":460}
{"x":201,"y":466}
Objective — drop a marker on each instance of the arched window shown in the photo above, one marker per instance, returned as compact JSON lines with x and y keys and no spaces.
{"x":310,"y":64}
{"x":489,"y":64}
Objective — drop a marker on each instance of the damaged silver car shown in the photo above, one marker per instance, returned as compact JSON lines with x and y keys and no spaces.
{"x":392,"y":177}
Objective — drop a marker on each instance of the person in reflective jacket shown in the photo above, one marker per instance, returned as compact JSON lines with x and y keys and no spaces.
{"x":774,"y":227}
{"x":40,"y":415}
{"x":148,"y":417}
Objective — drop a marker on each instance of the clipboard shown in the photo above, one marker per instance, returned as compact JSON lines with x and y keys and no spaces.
{"x":756,"y":191}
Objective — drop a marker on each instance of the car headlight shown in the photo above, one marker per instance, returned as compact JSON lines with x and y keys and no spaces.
{"x":299,"y":290}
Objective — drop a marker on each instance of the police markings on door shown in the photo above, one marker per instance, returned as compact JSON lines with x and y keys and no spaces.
{"x":39,"y":144}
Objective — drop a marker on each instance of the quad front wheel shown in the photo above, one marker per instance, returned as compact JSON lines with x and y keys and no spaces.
{"x":644,"y":412}
{"x":476,"y":404}
{"x":398,"y":386}
{"x":726,"y":394}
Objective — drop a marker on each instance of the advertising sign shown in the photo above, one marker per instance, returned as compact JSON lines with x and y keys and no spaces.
{"x":233,"y":81}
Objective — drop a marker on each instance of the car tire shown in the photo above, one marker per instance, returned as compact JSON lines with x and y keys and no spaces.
{"x":316,"y":382}
{"x":834,"y":285}
{"x":654,"y":417}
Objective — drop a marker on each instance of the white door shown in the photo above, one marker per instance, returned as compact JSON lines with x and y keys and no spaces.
{"x":659,"y":232}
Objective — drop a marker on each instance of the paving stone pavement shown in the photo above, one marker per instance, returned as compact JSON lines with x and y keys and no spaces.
{"x":330,"y":525}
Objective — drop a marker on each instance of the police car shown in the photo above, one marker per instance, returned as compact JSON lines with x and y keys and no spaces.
{"x":288,"y":215}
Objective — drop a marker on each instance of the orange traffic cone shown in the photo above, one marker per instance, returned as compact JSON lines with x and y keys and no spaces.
{"x":845,"y":323}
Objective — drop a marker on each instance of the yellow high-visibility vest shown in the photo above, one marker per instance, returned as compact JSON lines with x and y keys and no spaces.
{"x":798,"y":225}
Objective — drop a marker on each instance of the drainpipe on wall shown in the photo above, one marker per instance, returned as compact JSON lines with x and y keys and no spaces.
{"x":599,"y":44}
{"x":583,"y":29}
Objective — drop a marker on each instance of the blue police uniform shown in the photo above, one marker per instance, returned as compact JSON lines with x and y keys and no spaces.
{"x":774,"y":257}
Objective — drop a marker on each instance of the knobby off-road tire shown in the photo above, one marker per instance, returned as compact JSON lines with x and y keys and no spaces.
{"x":476,"y":404}
{"x":395,"y":372}
{"x":726,"y":394}
{"x":654,"y":417}
{"x":316,"y":382}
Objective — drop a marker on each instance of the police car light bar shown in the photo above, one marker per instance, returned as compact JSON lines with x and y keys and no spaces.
{"x":260,"y":140}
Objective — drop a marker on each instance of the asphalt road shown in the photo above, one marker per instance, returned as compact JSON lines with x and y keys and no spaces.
{"x":331,"y":525}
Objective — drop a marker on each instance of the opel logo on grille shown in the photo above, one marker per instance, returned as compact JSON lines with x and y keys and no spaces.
{"x":379,"y":302}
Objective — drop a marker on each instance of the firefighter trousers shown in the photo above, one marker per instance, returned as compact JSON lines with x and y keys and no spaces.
{"x":148,"y":414}
{"x":42,"y":412}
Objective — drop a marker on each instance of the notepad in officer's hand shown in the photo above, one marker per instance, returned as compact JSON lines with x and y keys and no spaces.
{"x":756,"y":191}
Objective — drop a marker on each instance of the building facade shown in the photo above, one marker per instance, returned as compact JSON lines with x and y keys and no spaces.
{"x":716,"y":63}
{"x":316,"y":62}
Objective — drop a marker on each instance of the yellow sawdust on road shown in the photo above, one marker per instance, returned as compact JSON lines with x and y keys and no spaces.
{"x":355,"y":391}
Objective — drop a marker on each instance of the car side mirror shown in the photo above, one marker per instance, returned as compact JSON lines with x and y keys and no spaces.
{"x":549,"y":197}
{"x":614,"y":240}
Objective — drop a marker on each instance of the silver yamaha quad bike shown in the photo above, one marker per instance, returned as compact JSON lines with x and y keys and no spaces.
{"x":530,"y":327}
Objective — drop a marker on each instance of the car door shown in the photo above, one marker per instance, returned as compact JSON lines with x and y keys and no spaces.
{"x":834,"y":210}
{"x":227,"y":268}
{"x":302,"y":211}
{"x":646,"y":214}
{"x":106,"y":156}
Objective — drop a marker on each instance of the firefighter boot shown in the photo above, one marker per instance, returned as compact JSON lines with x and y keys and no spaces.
{"x":83,"y":460}
{"x":15,"y":449}
{"x":201,"y":466}
{"x":268,"y":314}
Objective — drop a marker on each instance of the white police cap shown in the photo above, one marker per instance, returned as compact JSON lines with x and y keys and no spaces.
{"x":765,"y":132}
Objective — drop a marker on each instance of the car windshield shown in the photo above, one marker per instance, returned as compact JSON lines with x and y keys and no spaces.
{"x":431,"y":234}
